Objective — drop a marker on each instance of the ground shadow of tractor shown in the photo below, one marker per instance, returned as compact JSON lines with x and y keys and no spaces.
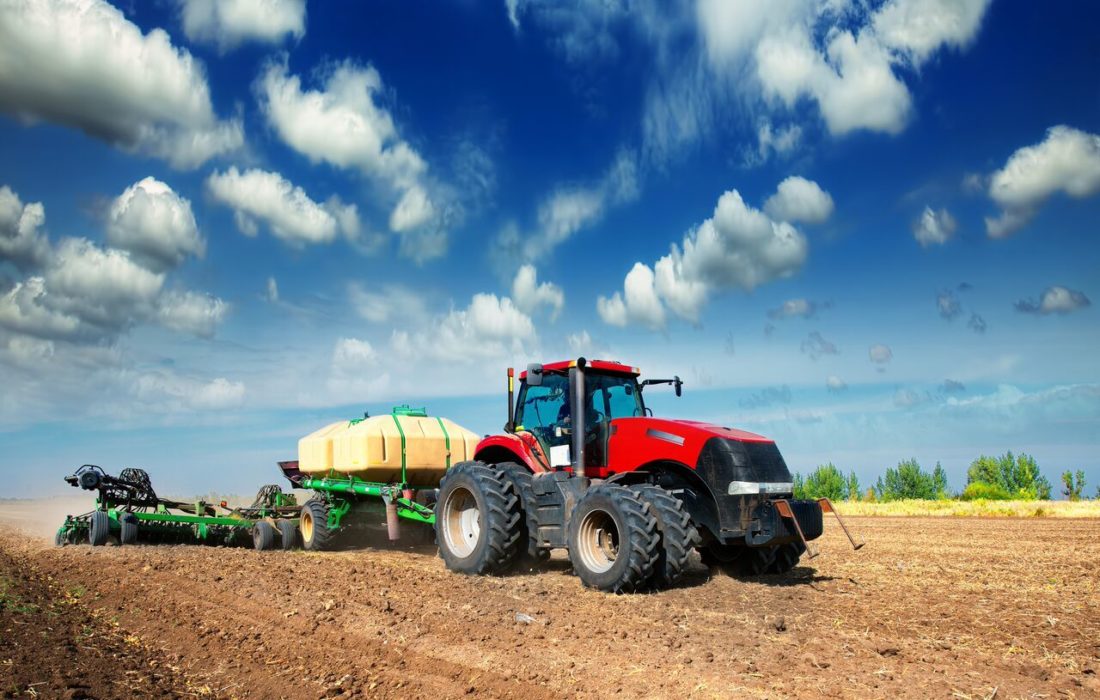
{"x":696,"y":573}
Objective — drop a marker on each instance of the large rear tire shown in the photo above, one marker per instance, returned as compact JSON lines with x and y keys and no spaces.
{"x":316,"y":534}
{"x":531,"y":555}
{"x":613,"y":540}
{"x":478,"y":523}
{"x":128,"y":532}
{"x":678,"y":535}
{"x":100,"y":528}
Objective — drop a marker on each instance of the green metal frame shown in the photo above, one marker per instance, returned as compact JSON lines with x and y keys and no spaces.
{"x":163,"y":521}
{"x":337,"y":489}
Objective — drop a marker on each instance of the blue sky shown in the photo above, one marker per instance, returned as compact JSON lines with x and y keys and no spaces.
{"x":866,"y":230}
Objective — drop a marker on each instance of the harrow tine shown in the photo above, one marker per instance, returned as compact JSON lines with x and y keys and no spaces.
{"x":827,"y":507}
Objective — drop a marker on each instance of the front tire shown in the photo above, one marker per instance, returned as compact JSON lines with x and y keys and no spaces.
{"x":678,"y":535}
{"x":786,"y":557}
{"x":613,"y":540}
{"x":477,"y":520}
{"x":755,"y":561}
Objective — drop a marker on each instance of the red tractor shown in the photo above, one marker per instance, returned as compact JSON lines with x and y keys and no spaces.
{"x":583,"y":464}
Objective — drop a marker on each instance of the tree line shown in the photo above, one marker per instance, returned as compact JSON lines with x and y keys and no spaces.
{"x":1008,"y":477}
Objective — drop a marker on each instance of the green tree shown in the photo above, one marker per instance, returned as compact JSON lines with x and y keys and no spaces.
{"x":824,"y":482}
{"x":1018,"y":476}
{"x":908,"y":480}
{"x":939,"y":482}
{"x":853,"y":486}
{"x":1073,"y":485}
{"x":798,"y":487}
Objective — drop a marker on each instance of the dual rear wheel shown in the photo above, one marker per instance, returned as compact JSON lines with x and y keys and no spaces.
{"x":620,"y":539}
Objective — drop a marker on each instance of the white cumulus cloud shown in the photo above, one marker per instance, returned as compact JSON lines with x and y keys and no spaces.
{"x":82,"y":292}
{"x":738,"y":247}
{"x":229,"y":23}
{"x":638,"y":302}
{"x":1055,"y":300}
{"x":284,"y":208}
{"x":490,"y":326}
{"x":799,"y":200}
{"x":344,"y":124}
{"x":22,"y":241}
{"x":1067,"y":161}
{"x":528,"y":294}
{"x":155,"y":224}
{"x":191,"y":312}
{"x":82,"y":64}
{"x":934,"y":227}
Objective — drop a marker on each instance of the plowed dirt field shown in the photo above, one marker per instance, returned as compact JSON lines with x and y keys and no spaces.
{"x":930,"y":608}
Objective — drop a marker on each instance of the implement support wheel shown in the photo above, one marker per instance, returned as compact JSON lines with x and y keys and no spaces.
{"x":129,"y":528}
{"x":100,"y":529}
{"x":263,"y":536}
{"x":314,"y":526}
{"x":288,"y":533}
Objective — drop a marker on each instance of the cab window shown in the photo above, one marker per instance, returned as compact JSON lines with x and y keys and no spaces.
{"x":540,"y":406}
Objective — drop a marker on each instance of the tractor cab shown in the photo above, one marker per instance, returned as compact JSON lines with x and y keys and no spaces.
{"x":546,"y":407}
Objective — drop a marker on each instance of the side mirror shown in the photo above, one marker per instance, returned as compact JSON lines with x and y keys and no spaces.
{"x":534,"y":374}
{"x":679,"y":386}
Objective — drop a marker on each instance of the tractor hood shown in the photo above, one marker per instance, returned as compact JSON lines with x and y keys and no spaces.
{"x":733,"y":462}
{"x":710,"y":429}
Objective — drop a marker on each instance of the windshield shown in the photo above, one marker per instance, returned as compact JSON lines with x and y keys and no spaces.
{"x":609,"y":396}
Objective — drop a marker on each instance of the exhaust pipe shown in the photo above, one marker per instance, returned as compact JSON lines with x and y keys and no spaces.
{"x":511,"y":427}
{"x":576,"y":383}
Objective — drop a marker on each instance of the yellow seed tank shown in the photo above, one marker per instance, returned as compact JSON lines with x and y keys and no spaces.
{"x":374,"y":448}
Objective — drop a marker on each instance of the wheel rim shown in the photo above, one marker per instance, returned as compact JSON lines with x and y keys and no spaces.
{"x":307,"y":526}
{"x":598,"y":541}
{"x":461,"y":522}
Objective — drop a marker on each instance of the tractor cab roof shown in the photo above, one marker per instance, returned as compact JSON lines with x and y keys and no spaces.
{"x":609,"y":366}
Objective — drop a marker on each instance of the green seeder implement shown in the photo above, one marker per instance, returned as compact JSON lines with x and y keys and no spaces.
{"x":344,"y":505}
{"x":129,"y":510}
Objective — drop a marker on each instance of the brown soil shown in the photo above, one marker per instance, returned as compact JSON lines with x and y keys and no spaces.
{"x":932,"y":607}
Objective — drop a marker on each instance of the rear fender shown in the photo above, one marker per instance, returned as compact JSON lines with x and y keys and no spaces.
{"x":497,"y":449}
